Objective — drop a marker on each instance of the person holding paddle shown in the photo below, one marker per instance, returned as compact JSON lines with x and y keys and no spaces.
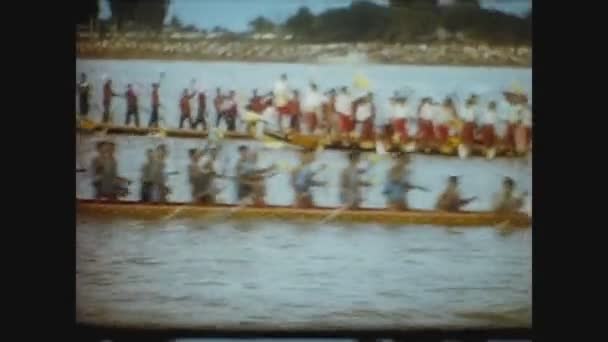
{"x":365,"y":114}
{"x":397,"y":186}
{"x":344,"y":109}
{"x":158,"y":177}
{"x":250,"y":179}
{"x":132,"y":105}
{"x":146,"y":176}
{"x":450,"y":199}
{"x":84,"y":94}
{"x":350,"y":194}
{"x":155,"y":102}
{"x":312,"y":108}
{"x":184,"y":106}
{"x":106,"y":181}
{"x":201,"y":111}
{"x":107,"y":95}
{"x":506,"y":200}
{"x":302,"y":180}
{"x":207,"y":189}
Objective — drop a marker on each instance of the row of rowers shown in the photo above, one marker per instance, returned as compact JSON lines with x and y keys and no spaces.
{"x":349,"y":114}
{"x":203,"y":172}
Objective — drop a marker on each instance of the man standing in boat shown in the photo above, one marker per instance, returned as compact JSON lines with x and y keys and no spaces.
{"x":350,"y":182}
{"x":184,"y":106}
{"x":441,"y":121}
{"x":282,"y":94}
{"x":217,"y":104}
{"x":196,"y":177}
{"x":507,"y":200}
{"x":344,"y":109}
{"x":158,"y":176}
{"x":365,"y":114}
{"x":132,"y":105}
{"x":400,"y":116}
{"x":84,"y":94}
{"x":397,"y":185}
{"x":312,"y":108}
{"x":488,"y":126}
{"x":250,"y":179}
{"x":155,"y":105}
{"x":450,"y":199}
{"x":208,"y":189}
{"x":229,"y":110}
{"x":302,"y":180}
{"x":146,"y":176}
{"x":201,"y":111}
{"x":512,"y":117}
{"x":108,"y":93}
{"x":469,"y":117}
{"x":106,"y":181}
{"x":426,"y":115}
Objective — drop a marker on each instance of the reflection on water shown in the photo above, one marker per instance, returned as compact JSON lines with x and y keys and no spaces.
{"x":178,"y":273}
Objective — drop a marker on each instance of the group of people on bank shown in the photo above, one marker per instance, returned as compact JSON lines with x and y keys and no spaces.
{"x":343,"y":113}
{"x":249,"y":177}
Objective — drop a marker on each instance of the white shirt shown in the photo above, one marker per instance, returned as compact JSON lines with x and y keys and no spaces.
{"x":401,"y":111}
{"x":312,"y":101}
{"x":443,"y":115}
{"x":427,"y":112}
{"x":282,"y":93}
{"x":526,"y":116}
{"x":227,"y":104}
{"x":489,"y":117}
{"x":343,"y":104}
{"x":469,"y":113}
{"x":513,"y":114}
{"x":364,"y":111}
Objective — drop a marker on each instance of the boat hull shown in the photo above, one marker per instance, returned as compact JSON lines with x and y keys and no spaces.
{"x":301,"y":140}
{"x":129,"y":209}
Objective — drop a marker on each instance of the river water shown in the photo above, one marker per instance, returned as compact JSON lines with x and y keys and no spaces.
{"x":246,"y":274}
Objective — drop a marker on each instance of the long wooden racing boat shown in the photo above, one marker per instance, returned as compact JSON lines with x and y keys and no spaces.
{"x":449,"y":149}
{"x":301,"y":140}
{"x":144,"y":131}
{"x":131,"y":209}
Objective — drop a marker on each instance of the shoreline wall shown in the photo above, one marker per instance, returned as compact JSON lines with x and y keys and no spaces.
{"x":436,"y":53}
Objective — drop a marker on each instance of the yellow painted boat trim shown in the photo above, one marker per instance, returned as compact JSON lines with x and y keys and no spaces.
{"x":415,"y":217}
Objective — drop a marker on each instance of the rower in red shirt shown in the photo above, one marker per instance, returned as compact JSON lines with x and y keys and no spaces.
{"x":365,"y":113}
{"x":217,"y":103}
{"x":108,"y":93}
{"x":132,"y":106}
{"x":184,"y":105}
{"x":154,"y":116}
{"x":201,"y":114}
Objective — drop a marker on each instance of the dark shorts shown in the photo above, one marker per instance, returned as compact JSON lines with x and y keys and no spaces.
{"x":244,"y":191}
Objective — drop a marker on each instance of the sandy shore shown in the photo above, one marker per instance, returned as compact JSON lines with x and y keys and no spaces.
{"x":261,"y":51}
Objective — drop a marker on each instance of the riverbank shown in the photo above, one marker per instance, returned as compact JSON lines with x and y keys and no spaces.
{"x":457,"y":54}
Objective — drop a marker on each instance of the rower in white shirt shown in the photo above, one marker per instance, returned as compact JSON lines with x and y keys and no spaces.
{"x":445,"y":114}
{"x":282,"y":93}
{"x":344,"y":110}
{"x":426,"y":113}
{"x":523,"y":130}
{"x":488,"y":121}
{"x":511,"y":116}
{"x":364,"y":117}
{"x":401,"y":113}
{"x":312,"y":109}
{"x":468,"y":114}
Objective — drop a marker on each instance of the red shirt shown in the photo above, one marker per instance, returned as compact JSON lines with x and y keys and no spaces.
{"x":256,"y":104}
{"x":184,"y":104}
{"x":107,"y":93}
{"x":131,"y":99}
{"x":155,"y":98}
{"x":202,"y":101}
{"x":217,"y":102}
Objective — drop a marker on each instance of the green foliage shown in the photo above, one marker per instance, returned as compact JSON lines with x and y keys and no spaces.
{"x":407,"y":21}
{"x":262,"y":25}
